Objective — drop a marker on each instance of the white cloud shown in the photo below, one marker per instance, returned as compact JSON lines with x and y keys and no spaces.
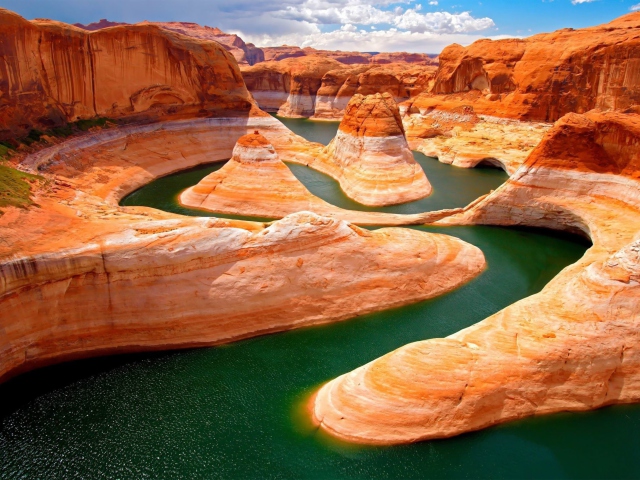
{"x":389,"y":40}
{"x":577,"y":2}
{"x":323,"y":13}
{"x":635,"y":8}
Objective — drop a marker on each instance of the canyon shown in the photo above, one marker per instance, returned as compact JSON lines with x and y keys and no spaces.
{"x":256,"y":182}
{"x":571,"y":347}
{"x":78,"y":271}
{"x":80,"y":274}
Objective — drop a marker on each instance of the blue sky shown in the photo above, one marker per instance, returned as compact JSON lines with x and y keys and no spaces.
{"x":364,"y":25}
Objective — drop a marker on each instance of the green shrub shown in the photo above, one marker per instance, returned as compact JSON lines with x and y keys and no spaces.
{"x":15,"y":187}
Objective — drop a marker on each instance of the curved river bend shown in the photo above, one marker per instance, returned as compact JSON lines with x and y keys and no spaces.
{"x":236,"y":411}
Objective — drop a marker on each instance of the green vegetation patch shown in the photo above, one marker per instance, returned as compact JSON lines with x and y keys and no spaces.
{"x":4,"y":150}
{"x":85,"y":125}
{"x":15,"y":187}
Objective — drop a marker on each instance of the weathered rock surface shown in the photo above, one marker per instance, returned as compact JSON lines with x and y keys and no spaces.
{"x":460,"y":137}
{"x":574,"y":346}
{"x":79,"y":275}
{"x":545,"y":76}
{"x":402,"y":81}
{"x":256,"y":182}
{"x":288,"y":87}
{"x":370,"y":156}
{"x":244,"y":53}
{"x":52,"y":73}
{"x":395,"y":57}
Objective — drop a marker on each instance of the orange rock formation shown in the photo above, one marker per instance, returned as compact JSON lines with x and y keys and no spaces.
{"x":52,"y":73}
{"x":244,"y":53}
{"x":402,"y":81}
{"x":256,"y":182}
{"x":461,"y":118}
{"x":321,"y":87}
{"x":542,"y":77}
{"x":290,"y":86}
{"x":79,"y":275}
{"x":574,"y":346}
{"x":370,"y":156}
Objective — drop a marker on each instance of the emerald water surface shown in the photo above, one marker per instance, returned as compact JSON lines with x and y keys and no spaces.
{"x":236,"y":411}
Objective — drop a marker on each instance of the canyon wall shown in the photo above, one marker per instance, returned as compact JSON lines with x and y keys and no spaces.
{"x":52,"y":73}
{"x":244,"y":53}
{"x":288,"y":87}
{"x":574,"y":346}
{"x":319,"y":87}
{"x":545,"y":76}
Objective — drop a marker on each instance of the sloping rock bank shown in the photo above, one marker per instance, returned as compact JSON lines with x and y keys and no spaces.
{"x":574,"y":346}
{"x":80,"y":276}
{"x":256,"y":182}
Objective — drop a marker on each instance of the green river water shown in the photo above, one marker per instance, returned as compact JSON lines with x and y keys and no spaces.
{"x":236,"y":411}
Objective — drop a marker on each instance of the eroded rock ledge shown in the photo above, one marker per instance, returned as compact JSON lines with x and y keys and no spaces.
{"x":370,"y":156}
{"x":80,"y":276}
{"x":574,"y":346}
{"x":256,"y":182}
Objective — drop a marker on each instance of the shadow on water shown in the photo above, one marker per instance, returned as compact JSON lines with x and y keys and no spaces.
{"x":237,"y":411}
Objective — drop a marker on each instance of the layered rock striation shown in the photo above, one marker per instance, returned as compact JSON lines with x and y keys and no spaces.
{"x":52,"y":73}
{"x":402,"y":81}
{"x":461,"y":138}
{"x":572,"y":347}
{"x":320,"y":87}
{"x":255,"y":182}
{"x":545,"y":76}
{"x":370,"y":156}
{"x":79,"y":275}
{"x":288,"y":87}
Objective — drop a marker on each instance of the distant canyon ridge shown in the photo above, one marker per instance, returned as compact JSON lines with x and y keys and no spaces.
{"x":247,"y":54}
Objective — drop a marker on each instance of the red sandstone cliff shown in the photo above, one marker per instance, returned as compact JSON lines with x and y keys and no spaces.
{"x":400,"y":80}
{"x":545,"y":76}
{"x":289,"y":86}
{"x":244,"y":53}
{"x":321,"y":87}
{"x":52,"y":73}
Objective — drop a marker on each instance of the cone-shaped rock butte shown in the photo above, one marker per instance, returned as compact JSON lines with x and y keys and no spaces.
{"x":238,"y":411}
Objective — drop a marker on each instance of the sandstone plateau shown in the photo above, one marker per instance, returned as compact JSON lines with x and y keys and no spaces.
{"x":574,"y":346}
{"x":52,"y":73}
{"x":256,"y":182}
{"x":370,"y":156}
